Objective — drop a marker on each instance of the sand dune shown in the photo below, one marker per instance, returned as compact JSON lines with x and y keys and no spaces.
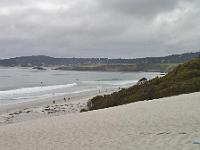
{"x":165,"y":124}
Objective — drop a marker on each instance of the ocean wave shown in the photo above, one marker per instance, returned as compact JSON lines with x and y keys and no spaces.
{"x":111,"y":82}
{"x":113,"y":79}
{"x":24,"y":99}
{"x":85,"y":90}
{"x":35,"y":89}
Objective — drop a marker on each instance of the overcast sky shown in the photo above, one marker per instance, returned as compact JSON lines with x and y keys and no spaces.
{"x":99,"y":28}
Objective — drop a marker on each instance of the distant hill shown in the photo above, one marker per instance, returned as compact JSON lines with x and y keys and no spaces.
{"x":185,"y":78}
{"x":160,"y":64}
{"x":46,"y":61}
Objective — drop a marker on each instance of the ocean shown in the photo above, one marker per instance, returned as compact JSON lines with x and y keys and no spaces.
{"x":21,"y":85}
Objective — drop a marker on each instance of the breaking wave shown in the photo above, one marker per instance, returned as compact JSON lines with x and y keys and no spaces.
{"x":35,"y":89}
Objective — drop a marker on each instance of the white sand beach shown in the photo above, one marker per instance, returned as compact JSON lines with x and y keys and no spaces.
{"x":171,"y":123}
{"x":45,"y":108}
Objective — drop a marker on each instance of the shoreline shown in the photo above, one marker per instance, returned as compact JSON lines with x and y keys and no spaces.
{"x":45,"y":108}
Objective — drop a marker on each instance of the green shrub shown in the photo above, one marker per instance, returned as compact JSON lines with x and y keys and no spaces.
{"x":185,"y":78}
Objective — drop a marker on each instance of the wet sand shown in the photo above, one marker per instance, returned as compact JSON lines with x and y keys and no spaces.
{"x":46,"y":108}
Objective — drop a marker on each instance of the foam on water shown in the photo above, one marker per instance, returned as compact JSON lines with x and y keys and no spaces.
{"x":18,"y":100}
{"x":35,"y":89}
{"x":112,"y":82}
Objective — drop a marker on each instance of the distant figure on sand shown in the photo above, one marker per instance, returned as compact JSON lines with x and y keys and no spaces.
{"x":53,"y":98}
{"x":69,"y":98}
{"x":64,"y":99}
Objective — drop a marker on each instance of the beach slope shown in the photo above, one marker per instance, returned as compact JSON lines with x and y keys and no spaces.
{"x":167,"y":123}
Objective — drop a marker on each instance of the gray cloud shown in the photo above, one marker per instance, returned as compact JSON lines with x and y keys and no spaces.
{"x":99,"y":28}
{"x":140,"y":8}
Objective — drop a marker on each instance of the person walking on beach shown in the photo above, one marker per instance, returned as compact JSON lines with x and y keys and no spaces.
{"x":53,"y":98}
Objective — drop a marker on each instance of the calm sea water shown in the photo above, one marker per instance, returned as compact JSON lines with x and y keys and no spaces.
{"x":19,"y":85}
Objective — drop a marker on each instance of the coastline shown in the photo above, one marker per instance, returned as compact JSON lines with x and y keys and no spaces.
{"x":45,"y":108}
{"x":166,"y":123}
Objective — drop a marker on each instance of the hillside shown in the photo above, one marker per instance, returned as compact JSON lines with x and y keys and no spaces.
{"x":46,"y":61}
{"x":146,"y":67}
{"x":183,"y":79}
{"x":159,"y":64}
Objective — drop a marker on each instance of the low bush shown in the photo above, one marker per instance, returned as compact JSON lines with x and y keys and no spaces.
{"x":185,"y":78}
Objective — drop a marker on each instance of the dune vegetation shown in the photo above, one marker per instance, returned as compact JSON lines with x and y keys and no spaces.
{"x":185,"y":78}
